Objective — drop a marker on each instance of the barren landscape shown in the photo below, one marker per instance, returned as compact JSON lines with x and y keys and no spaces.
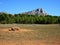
{"x":29,"y":34}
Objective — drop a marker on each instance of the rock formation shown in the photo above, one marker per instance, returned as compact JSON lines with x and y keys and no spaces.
{"x":38,"y":12}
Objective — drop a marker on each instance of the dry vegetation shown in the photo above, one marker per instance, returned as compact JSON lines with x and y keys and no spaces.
{"x":29,"y":34}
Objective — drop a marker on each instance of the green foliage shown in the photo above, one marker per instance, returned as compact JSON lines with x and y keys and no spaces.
{"x":28,"y":19}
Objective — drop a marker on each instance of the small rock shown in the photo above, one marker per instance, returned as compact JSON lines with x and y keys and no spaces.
{"x":14,"y":29}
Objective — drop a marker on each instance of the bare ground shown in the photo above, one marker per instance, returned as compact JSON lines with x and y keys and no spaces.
{"x":52,"y":41}
{"x":28,"y":42}
{"x":20,"y":30}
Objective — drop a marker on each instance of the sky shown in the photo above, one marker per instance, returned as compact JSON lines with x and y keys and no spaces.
{"x":51,"y":7}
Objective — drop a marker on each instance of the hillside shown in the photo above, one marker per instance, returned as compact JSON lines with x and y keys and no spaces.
{"x":6,"y":18}
{"x":38,"y":12}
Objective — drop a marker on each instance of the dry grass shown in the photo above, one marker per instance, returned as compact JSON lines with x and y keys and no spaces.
{"x":30,"y":34}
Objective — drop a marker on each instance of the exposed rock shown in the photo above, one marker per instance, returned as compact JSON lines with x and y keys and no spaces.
{"x":38,"y":12}
{"x":14,"y":29}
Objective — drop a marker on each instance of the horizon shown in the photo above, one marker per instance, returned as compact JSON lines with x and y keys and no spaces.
{"x":19,"y":6}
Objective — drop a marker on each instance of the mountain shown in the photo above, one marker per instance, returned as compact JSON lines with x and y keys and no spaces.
{"x":38,"y":12}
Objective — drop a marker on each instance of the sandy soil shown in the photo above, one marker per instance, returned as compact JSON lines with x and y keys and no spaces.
{"x":26,"y":42}
{"x":20,"y":30}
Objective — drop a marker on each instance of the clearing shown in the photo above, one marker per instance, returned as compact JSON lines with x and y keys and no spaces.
{"x":29,"y":34}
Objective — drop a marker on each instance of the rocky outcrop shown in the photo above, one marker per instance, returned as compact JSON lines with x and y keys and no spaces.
{"x":38,"y":12}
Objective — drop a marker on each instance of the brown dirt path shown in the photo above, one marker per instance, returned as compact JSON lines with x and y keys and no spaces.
{"x":20,"y":30}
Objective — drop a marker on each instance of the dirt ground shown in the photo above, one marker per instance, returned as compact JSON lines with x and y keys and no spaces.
{"x":54,"y":41}
{"x":24,"y":42}
{"x":27,"y":42}
{"x":20,"y":30}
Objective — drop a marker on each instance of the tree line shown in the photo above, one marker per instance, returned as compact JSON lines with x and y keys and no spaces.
{"x":6,"y":18}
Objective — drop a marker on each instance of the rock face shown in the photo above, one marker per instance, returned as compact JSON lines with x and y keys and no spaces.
{"x":38,"y":12}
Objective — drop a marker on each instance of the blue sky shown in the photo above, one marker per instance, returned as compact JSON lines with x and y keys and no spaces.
{"x":17,"y":6}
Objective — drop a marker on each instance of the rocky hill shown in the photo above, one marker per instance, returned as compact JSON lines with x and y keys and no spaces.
{"x":38,"y":12}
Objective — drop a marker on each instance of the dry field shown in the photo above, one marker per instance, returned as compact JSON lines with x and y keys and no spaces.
{"x":30,"y":34}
